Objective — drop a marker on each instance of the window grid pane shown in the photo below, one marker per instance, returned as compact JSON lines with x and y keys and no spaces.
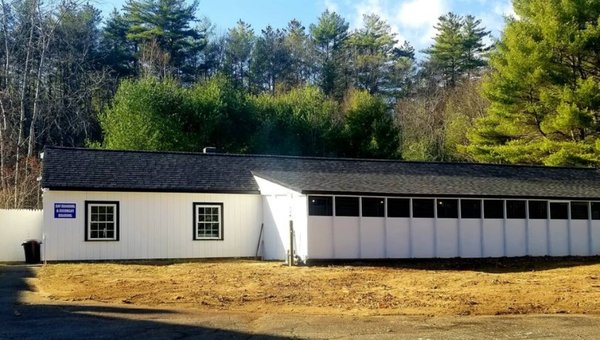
{"x":208,"y":223}
{"x":102,"y":222}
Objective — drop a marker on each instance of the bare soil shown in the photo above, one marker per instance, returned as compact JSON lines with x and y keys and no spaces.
{"x":437,"y":287}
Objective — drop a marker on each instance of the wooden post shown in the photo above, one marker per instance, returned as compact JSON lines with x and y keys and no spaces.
{"x":291,"y":261}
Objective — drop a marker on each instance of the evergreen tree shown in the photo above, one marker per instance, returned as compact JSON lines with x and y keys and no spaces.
{"x":378,"y":66}
{"x":544,"y":87}
{"x":458,"y":49}
{"x":301,"y":56}
{"x":165,"y":29}
{"x":329,"y":36}
{"x":270,"y":60}
{"x":118,"y":52}
{"x":239,"y":43}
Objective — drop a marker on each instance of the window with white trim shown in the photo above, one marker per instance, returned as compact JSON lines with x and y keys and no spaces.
{"x":101,"y":221}
{"x":208,"y":221}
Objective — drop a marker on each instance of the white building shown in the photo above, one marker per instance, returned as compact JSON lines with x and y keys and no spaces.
{"x":101,"y":205}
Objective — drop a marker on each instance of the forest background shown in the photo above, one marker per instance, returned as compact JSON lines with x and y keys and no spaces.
{"x":154,"y":76}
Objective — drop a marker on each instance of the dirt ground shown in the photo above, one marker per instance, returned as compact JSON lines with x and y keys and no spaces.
{"x":435,"y":288}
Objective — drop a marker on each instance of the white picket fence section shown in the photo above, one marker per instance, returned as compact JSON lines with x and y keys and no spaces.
{"x":17,"y":226}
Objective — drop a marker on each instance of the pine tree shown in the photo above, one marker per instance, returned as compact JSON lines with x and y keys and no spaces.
{"x":377,"y":65}
{"x":458,"y":49}
{"x":164,"y":28}
{"x":301,"y":56}
{"x":118,"y":52}
{"x":329,"y":36}
{"x":270,"y":60}
{"x":544,"y":87}
{"x":239,"y":43}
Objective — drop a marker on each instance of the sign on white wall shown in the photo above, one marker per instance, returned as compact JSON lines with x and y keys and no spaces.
{"x":65,"y":210}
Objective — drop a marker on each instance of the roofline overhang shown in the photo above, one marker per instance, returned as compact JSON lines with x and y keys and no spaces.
{"x":155,"y":190}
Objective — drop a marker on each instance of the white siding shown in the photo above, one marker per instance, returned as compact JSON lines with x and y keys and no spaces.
{"x":397,"y":238}
{"x":558,"y":234}
{"x":372,"y":238}
{"x":340,"y":237}
{"x":537,"y":237}
{"x":423,"y":237}
{"x":579,"y":237}
{"x":320,"y":237}
{"x":152,"y":225}
{"x":281,"y":204}
{"x":446,"y":242}
{"x":346,"y":237}
{"x":516,"y":237}
{"x":17,"y":226}
{"x":470,"y":237}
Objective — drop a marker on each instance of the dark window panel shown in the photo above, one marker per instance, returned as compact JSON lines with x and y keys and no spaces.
{"x":559,"y":210}
{"x":447,"y":208}
{"x":320,"y":205}
{"x":346,"y":206}
{"x":398,"y":207}
{"x":516,"y":209}
{"x":595,"y":210}
{"x":538,"y":210}
{"x":579,"y":210}
{"x":373,"y":206}
{"x":470,"y":208}
{"x":493,"y":209}
{"x":423,"y":208}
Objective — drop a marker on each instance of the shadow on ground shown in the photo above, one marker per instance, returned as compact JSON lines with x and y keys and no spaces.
{"x":487,"y":265}
{"x":64,"y":321}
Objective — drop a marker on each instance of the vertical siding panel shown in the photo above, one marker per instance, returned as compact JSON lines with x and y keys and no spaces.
{"x":595,"y":233}
{"x":579,"y":238}
{"x":446,"y":237}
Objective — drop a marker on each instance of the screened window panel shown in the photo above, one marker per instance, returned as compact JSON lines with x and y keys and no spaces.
{"x":346,"y":206}
{"x":580,"y":210}
{"x":373,"y":206}
{"x":447,"y":208}
{"x":320,"y":205}
{"x":470,"y":208}
{"x":559,"y":210}
{"x":516,"y":209}
{"x":423,"y":208}
{"x":398,"y":207}
{"x":493,"y":209}
{"x":538,"y":210}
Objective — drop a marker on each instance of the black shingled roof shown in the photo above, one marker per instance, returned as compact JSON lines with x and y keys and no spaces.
{"x":107,"y":170}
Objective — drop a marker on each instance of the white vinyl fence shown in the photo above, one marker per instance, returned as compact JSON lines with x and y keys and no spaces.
{"x":17,"y":226}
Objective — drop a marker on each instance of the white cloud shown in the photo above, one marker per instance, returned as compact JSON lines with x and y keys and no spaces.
{"x":410,"y":20}
{"x":331,"y":6}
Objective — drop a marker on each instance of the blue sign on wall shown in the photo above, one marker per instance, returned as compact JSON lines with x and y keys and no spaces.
{"x":64,"y":210}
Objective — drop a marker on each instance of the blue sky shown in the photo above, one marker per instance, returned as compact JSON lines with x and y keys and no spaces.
{"x":411,"y":20}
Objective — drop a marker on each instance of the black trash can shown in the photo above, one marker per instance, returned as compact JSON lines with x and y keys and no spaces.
{"x":32,"y":251}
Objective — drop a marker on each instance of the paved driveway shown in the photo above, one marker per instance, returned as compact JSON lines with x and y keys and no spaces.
{"x":24,"y":317}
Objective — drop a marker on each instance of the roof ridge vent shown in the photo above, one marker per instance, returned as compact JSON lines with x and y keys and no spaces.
{"x":209,"y":149}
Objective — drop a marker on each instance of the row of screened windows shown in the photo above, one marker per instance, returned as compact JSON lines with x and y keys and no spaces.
{"x":451,"y":207}
{"x":102,"y":221}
